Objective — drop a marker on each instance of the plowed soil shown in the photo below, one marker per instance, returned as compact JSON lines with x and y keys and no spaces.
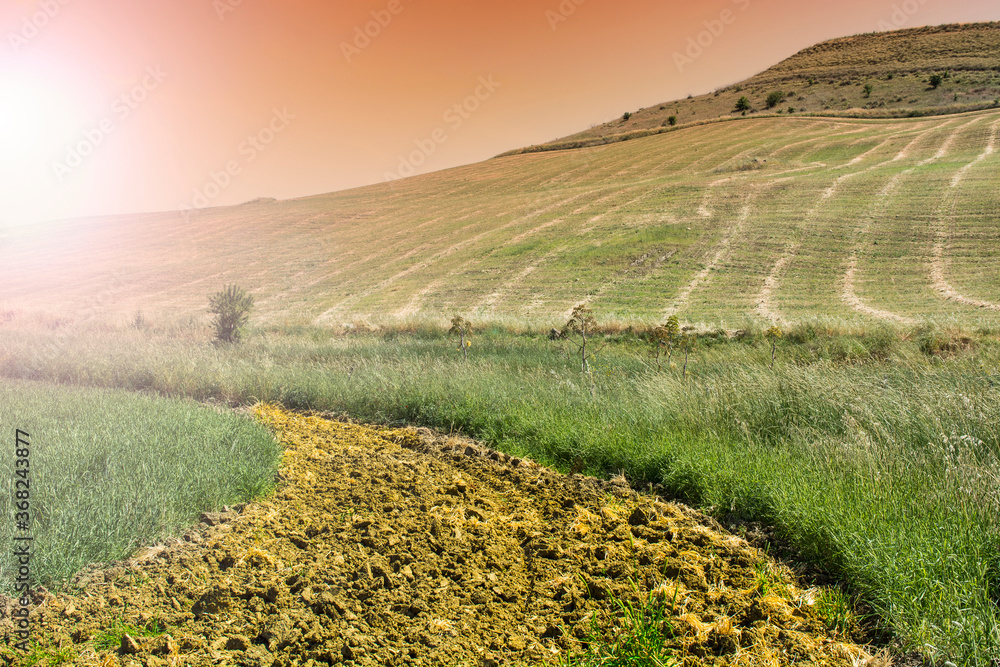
{"x":401,"y":547}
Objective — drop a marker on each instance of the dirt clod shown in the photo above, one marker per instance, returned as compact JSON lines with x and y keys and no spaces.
{"x":401,"y":547}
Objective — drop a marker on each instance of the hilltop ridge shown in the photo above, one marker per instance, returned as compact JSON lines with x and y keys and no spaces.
{"x":873,"y":75}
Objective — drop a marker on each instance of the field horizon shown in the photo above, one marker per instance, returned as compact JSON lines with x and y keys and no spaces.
{"x":755,"y":220}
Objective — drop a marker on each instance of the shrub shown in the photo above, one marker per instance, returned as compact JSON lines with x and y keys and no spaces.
{"x":743,"y":104}
{"x":868,"y":89}
{"x":936,"y":80}
{"x":672,"y":120}
{"x":774,"y":99}
{"x":626,"y":115}
{"x":232,"y":308}
{"x":461,"y":327}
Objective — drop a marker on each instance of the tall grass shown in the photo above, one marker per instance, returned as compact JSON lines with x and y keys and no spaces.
{"x":110,"y":470}
{"x":871,"y":457}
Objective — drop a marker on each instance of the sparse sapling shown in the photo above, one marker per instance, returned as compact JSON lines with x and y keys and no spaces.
{"x":688,"y":342}
{"x":773,"y":334}
{"x":664,"y":338}
{"x":581,"y":324}
{"x":462,"y":327}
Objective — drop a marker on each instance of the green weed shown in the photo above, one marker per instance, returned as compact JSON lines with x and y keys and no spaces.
{"x":639,"y":631}
{"x":111,"y":639}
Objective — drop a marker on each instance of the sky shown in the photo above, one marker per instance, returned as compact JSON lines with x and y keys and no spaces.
{"x":125,"y":106}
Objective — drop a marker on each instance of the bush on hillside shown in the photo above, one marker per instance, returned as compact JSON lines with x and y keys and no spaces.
{"x":232,"y":308}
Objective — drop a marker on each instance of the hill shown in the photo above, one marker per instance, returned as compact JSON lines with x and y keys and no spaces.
{"x":768,"y":219}
{"x":873,"y":75}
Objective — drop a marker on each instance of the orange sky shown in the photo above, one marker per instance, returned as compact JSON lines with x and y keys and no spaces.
{"x":116,"y":106}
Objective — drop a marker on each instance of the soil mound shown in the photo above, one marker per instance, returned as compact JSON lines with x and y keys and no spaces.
{"x":399,"y":547}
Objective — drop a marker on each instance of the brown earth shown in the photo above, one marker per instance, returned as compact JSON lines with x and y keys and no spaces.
{"x":402,"y":547}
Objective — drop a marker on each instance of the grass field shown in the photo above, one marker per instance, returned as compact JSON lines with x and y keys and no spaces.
{"x":111,"y":470}
{"x":725,"y":225}
{"x":874,"y":459}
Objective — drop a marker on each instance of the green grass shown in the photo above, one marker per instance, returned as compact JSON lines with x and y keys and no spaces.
{"x":110,"y":470}
{"x":38,"y":655}
{"x":111,"y":639}
{"x":875,"y":459}
{"x":638,"y":633}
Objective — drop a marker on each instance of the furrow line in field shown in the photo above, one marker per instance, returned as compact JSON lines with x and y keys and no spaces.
{"x":354,"y":298}
{"x":613,"y":282}
{"x":183,"y":286}
{"x":722,"y":249}
{"x":766,"y":308}
{"x":649,"y":192}
{"x":489,"y":303}
{"x":417,"y":301}
{"x":823,"y":135}
{"x":386,"y":248}
{"x":941,"y":232}
{"x":848,"y":293}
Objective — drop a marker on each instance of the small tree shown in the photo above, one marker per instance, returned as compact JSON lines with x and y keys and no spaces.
{"x":868,"y":89}
{"x":773,"y":334}
{"x":672,"y":120}
{"x":232,"y":308}
{"x":665,"y":337}
{"x":936,"y":80}
{"x":626,"y":115}
{"x":774,"y":99}
{"x":582,"y":324}
{"x":138,"y":320}
{"x":743,"y":104}
{"x":462,"y":327}
{"x":688,"y":343}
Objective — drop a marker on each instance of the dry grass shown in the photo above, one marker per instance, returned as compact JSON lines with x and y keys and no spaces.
{"x":829,"y":79}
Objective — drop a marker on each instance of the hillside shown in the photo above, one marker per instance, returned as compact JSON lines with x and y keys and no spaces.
{"x":770,"y":219}
{"x":831,"y":78}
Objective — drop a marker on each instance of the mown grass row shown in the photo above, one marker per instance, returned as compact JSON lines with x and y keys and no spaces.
{"x":110,"y":470}
{"x":875,"y":456}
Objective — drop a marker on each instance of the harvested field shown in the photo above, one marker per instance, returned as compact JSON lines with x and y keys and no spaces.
{"x":402,"y":547}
